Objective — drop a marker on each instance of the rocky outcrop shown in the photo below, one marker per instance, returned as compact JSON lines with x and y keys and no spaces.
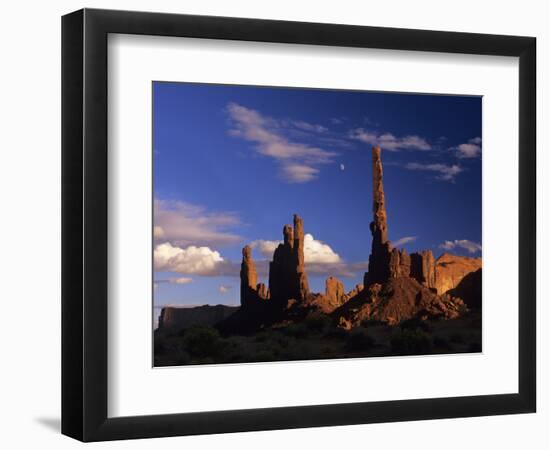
{"x":287,"y":273}
{"x":263,"y":291}
{"x":252,"y":292}
{"x":400,"y":263}
{"x":379,"y":225}
{"x":397,"y":286}
{"x":249,"y":277}
{"x":333,"y":297}
{"x":397,"y":300}
{"x":334,"y":292}
{"x":302,"y":285}
{"x":380,"y":256}
{"x":288,"y":293}
{"x":423,"y":268}
{"x":174,"y":319}
{"x":469,"y":289}
{"x":355,"y":291}
{"x":450,"y":270}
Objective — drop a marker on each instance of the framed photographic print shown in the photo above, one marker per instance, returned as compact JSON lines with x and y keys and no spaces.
{"x":293,"y":208}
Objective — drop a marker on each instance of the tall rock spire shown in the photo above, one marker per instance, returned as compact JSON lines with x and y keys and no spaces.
{"x":379,"y":259}
{"x":302,"y":285}
{"x":249,"y":278}
{"x":287,"y":272}
{"x":379,"y":225}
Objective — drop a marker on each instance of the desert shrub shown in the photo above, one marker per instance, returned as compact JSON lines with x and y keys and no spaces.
{"x":415,"y":323}
{"x":202,"y":341}
{"x":262,"y":336}
{"x":359,"y":339}
{"x":410,"y":342}
{"x":297,"y":330}
{"x":457,"y":338}
{"x":235,"y":341}
{"x":336,"y":333}
{"x":282,"y":340}
{"x":264,"y":355}
{"x":441,"y":342}
{"x":326,"y":350}
{"x":300,"y":349}
{"x":318,"y":322}
{"x":368,"y":323}
{"x":159,"y":348}
{"x":183,"y":358}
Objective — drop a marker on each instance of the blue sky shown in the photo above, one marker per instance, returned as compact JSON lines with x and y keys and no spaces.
{"x":232,"y":164}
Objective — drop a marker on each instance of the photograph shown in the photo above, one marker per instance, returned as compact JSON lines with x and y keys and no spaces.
{"x":298,"y":224}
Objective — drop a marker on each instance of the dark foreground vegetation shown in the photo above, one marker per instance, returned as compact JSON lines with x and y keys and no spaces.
{"x":318,"y":338}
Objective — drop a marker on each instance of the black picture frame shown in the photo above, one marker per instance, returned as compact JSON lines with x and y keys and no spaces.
{"x":84,"y":224}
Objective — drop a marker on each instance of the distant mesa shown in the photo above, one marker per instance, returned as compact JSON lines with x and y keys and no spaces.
{"x":174,"y":318}
{"x":397,"y":286}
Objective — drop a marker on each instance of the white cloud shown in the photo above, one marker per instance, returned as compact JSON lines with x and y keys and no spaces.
{"x":311,"y":127}
{"x":266,"y":248}
{"x":342,"y":167}
{"x":320,"y":259}
{"x":404,"y":240}
{"x":315,"y":252}
{"x":445,"y":172}
{"x":185,"y":224}
{"x":388,"y":141}
{"x":471,"y":149}
{"x":189,"y":260}
{"x":470,"y":246}
{"x":224,"y":289}
{"x":299,"y":173}
{"x":177,"y":280}
{"x":298,"y":161}
{"x":181,"y":280}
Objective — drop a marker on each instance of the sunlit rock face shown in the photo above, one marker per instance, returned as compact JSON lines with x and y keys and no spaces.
{"x":450,"y":270}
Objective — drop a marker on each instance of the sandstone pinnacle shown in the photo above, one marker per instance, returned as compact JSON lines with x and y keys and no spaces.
{"x":249,"y":277}
{"x":380,"y":256}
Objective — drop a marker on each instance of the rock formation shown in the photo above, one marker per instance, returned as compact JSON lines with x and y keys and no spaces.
{"x":355,"y":291}
{"x":400,"y":263}
{"x":287,"y":273}
{"x":174,"y":319}
{"x":249,"y":278}
{"x":397,"y":286}
{"x":288,"y":287}
{"x":397,"y":300}
{"x":423,"y":268}
{"x":302,"y":285}
{"x":451,"y":269}
{"x":379,"y":259}
{"x":334,"y":292}
{"x":469,"y":289}
{"x":263,"y":291}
